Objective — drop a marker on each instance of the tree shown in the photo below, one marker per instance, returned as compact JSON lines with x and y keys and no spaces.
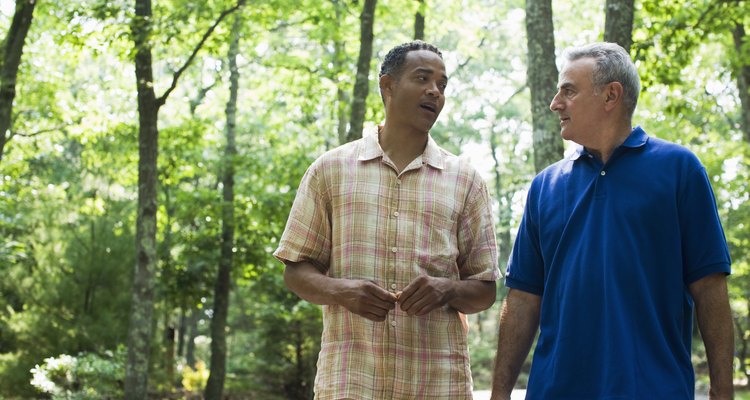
{"x":12,"y":51}
{"x":674,"y":31}
{"x":215,"y":385}
{"x":140,"y":327}
{"x":419,"y":21}
{"x":339,"y":58}
{"x":618,"y":22}
{"x":362,"y":82}
{"x":542,"y":81}
{"x":741,"y":72}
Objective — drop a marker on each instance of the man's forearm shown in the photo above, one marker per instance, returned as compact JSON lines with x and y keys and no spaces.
{"x":519,"y":322}
{"x":473,"y":296}
{"x":307,"y":282}
{"x":715,"y":324}
{"x":361,"y":297}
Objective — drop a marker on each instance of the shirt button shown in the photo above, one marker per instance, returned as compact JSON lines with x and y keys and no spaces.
{"x":393,"y":286}
{"x":603,"y":173}
{"x":394,"y":249}
{"x":393,"y":323}
{"x":395,"y":213}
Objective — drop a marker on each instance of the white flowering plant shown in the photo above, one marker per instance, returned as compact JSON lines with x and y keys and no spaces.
{"x":83,"y":377}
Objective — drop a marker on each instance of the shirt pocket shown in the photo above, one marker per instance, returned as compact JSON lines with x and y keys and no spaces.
{"x":437,"y":247}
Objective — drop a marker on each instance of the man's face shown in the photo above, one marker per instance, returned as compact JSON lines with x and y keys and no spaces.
{"x":417,"y":96}
{"x":578,"y":103}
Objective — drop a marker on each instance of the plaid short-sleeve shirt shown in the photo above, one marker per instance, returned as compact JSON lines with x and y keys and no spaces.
{"x":355,"y":217}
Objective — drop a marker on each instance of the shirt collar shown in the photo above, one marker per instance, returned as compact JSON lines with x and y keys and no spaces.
{"x":370,"y":149}
{"x":637,"y":138}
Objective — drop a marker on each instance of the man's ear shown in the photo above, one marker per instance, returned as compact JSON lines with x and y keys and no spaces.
{"x":386,"y":83}
{"x":613,"y":93}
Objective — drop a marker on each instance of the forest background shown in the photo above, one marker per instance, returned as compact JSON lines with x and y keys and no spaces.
{"x":149,"y":155}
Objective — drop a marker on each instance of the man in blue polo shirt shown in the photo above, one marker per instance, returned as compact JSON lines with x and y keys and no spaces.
{"x":618,"y":242}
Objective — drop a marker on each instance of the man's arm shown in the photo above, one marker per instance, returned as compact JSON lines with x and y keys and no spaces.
{"x":358,"y":296}
{"x":715,"y":324}
{"x":427,"y":293}
{"x":519,"y":322}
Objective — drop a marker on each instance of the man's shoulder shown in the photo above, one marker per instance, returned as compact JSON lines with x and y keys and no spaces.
{"x":462,"y":165}
{"x":674,"y":154}
{"x":343,"y":152}
{"x":555,"y":169}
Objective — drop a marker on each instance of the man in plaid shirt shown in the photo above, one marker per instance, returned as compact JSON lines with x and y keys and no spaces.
{"x":394,"y":236}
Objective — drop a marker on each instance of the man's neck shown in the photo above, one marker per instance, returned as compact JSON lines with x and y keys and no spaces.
{"x":400,"y":145}
{"x":610,"y":139}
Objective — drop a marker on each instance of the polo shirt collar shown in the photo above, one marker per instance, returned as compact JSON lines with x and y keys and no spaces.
{"x":637,"y":138}
{"x":371,"y":149}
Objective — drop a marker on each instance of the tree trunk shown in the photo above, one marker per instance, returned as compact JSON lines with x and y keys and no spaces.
{"x":542,"y":80}
{"x":12,"y":51}
{"x":181,"y":331}
{"x":169,"y":357}
{"x":141,"y":328}
{"x":742,"y":74}
{"x":419,"y":21}
{"x":361,"y":84}
{"x":142,"y":306}
{"x":504,"y":214}
{"x":192,"y":333}
{"x":742,"y":352}
{"x":339,"y":56}
{"x":618,"y":23}
{"x":215,"y":385}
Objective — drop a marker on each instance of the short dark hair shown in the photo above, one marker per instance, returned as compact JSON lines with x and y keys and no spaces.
{"x":394,"y":60}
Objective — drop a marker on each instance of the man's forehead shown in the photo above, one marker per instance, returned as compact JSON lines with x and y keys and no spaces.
{"x":573,"y":72}
{"x":425,"y":61}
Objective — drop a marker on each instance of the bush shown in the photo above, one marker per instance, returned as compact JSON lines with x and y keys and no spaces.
{"x":87,"y":376}
{"x":194,"y":380}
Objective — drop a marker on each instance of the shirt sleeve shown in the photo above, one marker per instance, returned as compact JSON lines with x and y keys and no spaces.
{"x":704,"y":245}
{"x":476,"y":236}
{"x":526,"y":264}
{"x":307,"y":236}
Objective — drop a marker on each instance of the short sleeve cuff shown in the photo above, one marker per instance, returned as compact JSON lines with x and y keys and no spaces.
{"x":516,"y":284}
{"x":722,"y":267}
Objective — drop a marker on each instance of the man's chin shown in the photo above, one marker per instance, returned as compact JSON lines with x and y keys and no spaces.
{"x":425,"y":127}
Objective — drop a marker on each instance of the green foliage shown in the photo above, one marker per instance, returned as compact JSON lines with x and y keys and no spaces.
{"x":668,"y":35}
{"x":86,"y":376}
{"x":68,"y":182}
{"x":194,"y":380}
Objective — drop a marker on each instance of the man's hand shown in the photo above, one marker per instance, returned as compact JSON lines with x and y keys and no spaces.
{"x":425,"y":294}
{"x":366,"y":299}
{"x":361,"y":297}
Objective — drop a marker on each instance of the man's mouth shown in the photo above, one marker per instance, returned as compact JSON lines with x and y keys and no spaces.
{"x":429,"y":107}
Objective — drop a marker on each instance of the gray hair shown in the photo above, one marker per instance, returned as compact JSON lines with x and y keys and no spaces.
{"x":613,"y":64}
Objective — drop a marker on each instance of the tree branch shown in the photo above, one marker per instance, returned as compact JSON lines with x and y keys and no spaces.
{"x":163,"y":99}
{"x":37,"y":133}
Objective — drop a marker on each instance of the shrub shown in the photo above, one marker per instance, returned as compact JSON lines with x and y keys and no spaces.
{"x":86,"y":376}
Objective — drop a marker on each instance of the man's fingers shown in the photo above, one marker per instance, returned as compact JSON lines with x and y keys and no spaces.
{"x":375,"y":317}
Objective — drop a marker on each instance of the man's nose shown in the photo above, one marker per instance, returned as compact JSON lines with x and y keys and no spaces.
{"x":433,"y":90}
{"x":555,"y":104}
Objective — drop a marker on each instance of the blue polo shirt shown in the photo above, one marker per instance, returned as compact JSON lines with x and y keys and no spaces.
{"x":611,"y":249}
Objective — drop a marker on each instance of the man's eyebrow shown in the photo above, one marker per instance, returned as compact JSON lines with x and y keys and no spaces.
{"x":565,"y":85}
{"x":428,"y":71}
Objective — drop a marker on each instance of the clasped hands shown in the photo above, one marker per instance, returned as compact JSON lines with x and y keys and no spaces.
{"x":422,"y":295}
